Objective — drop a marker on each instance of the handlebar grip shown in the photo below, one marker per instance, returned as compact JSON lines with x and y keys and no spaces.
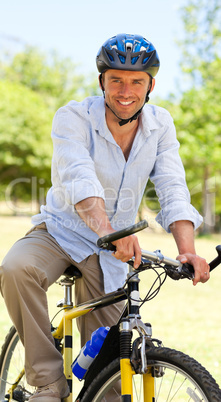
{"x":188,"y":268}
{"x":104,"y":242}
{"x":213,"y":264}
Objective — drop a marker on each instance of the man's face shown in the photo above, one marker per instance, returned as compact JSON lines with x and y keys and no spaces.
{"x":125,"y":91}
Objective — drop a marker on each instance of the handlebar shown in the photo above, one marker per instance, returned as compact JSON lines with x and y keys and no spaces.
{"x":105,"y":241}
{"x":213,"y":264}
{"x":174,"y":268}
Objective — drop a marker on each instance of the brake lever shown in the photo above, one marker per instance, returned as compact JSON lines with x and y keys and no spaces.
{"x":108,"y":246}
{"x":143,"y":265}
{"x":187,"y":271}
{"x":184,"y":271}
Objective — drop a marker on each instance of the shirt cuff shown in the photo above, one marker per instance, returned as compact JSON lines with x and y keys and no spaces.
{"x":82,"y":189}
{"x":183,"y":212}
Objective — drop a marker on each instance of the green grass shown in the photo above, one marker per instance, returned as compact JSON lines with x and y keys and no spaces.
{"x":182,"y":316}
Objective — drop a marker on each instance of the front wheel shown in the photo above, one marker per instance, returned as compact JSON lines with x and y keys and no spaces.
{"x":177,"y":378}
{"x":13,"y":384}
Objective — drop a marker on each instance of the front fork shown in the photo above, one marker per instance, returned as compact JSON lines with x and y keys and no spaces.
{"x":127,"y":371}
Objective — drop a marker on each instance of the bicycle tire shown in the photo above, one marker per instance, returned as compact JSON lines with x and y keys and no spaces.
{"x":11,"y":365}
{"x":184,"y":379}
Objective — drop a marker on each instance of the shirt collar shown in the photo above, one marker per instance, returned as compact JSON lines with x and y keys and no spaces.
{"x":148,"y":118}
{"x":97,"y":112}
{"x":149,"y":121}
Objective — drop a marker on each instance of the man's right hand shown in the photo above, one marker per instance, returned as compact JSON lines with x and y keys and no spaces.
{"x":127,"y":248}
{"x":92,"y":211}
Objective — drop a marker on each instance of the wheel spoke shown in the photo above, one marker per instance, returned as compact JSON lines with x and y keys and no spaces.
{"x":12,"y":369}
{"x":177,"y":377}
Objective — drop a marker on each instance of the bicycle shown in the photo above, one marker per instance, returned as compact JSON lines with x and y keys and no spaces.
{"x":120,"y":366}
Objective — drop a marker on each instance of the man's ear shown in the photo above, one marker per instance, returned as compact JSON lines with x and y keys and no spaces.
{"x":101,"y":82}
{"x":153,"y":84}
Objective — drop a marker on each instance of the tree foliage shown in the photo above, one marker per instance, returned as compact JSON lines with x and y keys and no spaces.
{"x":197,"y":117}
{"x":201,"y":42}
{"x":197,"y":111}
{"x":56,"y":79}
{"x":33,"y":85}
{"x":25,"y":145}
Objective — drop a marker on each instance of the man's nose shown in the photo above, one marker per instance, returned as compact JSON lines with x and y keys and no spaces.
{"x":125,"y":90}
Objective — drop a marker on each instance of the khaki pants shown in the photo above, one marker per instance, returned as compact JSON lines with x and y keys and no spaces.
{"x":33,"y":264}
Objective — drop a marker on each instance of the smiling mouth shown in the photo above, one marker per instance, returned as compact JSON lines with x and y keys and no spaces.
{"x":125,"y":103}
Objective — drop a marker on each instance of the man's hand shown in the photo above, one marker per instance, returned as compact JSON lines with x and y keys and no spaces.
{"x":201,"y":268}
{"x":184,"y":236}
{"x":92,"y":211}
{"x":127,"y":248}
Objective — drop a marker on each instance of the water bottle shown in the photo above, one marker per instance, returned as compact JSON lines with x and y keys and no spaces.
{"x":89,"y":352}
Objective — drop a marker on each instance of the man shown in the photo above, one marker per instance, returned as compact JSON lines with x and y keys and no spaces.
{"x":105,"y":149}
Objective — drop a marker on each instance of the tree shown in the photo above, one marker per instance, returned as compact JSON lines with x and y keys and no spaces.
{"x":25,"y":144}
{"x":56,"y":79}
{"x":197,"y":117}
{"x":197,"y":112}
{"x":198,"y":125}
{"x":201,"y":43}
{"x":33,"y":85}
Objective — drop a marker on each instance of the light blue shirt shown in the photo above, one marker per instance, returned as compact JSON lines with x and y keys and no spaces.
{"x":87,"y":162}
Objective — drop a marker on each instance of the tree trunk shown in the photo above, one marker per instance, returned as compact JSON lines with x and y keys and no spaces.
{"x":208,"y":203}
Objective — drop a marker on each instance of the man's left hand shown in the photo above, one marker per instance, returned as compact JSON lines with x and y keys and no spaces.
{"x":201,"y":268}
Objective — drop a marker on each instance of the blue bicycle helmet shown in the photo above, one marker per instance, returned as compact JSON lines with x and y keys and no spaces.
{"x":128,"y":52}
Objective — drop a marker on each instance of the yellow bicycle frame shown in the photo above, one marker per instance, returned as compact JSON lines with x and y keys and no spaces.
{"x":64,"y":330}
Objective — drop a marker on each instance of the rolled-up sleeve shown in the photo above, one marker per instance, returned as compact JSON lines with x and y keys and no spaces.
{"x":73,"y":169}
{"x":168,"y":176}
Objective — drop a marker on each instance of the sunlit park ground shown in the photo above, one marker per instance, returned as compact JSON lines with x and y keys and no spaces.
{"x":185,"y":317}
